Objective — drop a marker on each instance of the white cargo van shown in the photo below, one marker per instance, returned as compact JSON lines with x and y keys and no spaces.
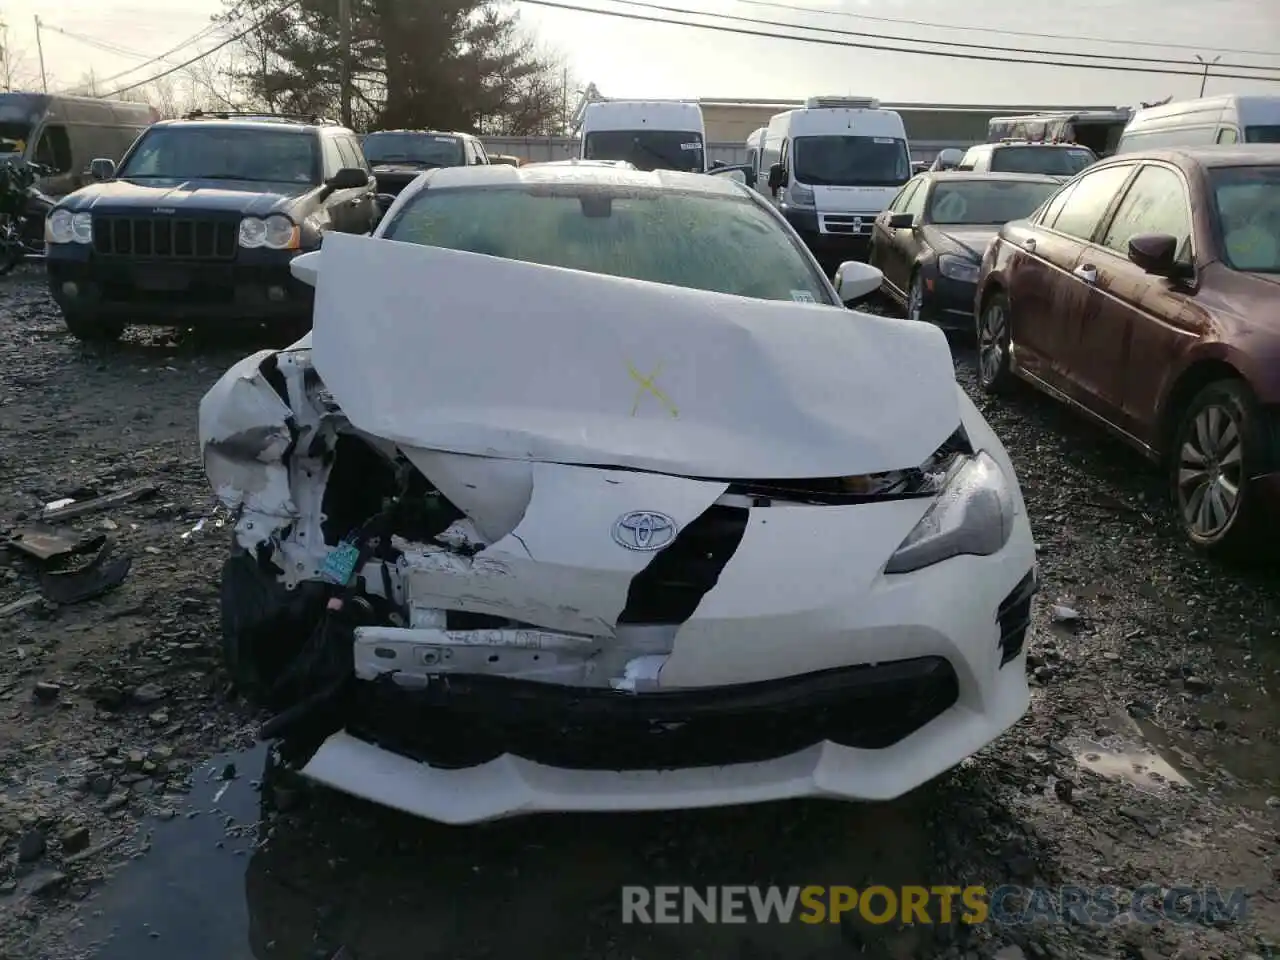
{"x":652,"y":134}
{"x":755,"y":144}
{"x":832,"y":167}
{"x":1207,"y":120}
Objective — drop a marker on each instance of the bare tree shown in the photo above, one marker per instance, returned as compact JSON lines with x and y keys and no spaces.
{"x":17,"y":70}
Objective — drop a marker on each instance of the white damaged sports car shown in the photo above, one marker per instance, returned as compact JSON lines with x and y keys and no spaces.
{"x":587,"y":493}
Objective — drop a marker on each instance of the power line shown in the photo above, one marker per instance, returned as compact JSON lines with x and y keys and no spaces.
{"x":158,"y":58}
{"x":956,"y":44}
{"x":234,"y":38}
{"x":1003,"y":32}
{"x":740,"y":31}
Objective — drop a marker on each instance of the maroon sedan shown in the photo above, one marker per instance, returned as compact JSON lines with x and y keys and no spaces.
{"x":1146,"y":294}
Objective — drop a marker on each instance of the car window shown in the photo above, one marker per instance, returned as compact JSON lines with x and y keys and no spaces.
{"x":332,"y":156}
{"x":986,"y":201}
{"x":481,"y":153}
{"x":904,"y":197}
{"x":1269,"y":133}
{"x":1246,"y":203}
{"x":1093,"y":193}
{"x":344,"y":151}
{"x":1156,"y":202}
{"x":1055,"y":205}
{"x":1053,"y":161}
{"x":418,"y":149}
{"x":54,"y":149}
{"x":915,"y":202}
{"x":1227,"y":135}
{"x":724,"y":244}
{"x":200,"y":152}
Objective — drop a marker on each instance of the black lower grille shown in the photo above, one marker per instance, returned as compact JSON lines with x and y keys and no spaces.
{"x":1014,"y":617}
{"x":165,"y":237}
{"x":670,"y":588}
{"x":462,"y":721}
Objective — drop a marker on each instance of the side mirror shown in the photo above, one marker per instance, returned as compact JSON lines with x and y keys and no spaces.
{"x":777,"y":176}
{"x":717,"y":164}
{"x":902,"y":221}
{"x":102,"y":168}
{"x":856,"y":280}
{"x":1156,"y":253}
{"x":306,"y":267}
{"x":348,"y":178}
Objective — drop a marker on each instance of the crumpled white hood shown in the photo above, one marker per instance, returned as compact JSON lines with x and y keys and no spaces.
{"x":470,"y":354}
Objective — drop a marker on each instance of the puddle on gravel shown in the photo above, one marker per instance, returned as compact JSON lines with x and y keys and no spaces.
{"x":185,"y":897}
{"x":335,"y":874}
{"x":1138,"y":766}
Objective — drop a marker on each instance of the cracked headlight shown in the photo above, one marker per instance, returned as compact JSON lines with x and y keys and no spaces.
{"x":276,"y":232}
{"x":972,"y":515}
{"x":958,"y":268}
{"x":63,"y":226}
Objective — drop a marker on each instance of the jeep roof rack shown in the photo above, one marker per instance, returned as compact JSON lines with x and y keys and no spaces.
{"x":257,"y":115}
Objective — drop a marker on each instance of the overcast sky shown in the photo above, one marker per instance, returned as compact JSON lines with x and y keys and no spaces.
{"x":635,"y":59}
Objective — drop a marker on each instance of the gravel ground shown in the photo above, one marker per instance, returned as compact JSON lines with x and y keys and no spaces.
{"x":138,"y":819}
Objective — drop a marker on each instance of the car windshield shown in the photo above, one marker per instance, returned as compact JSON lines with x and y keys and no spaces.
{"x":1247,"y":202}
{"x":254,"y":154}
{"x":647,"y":149}
{"x":1269,"y":133}
{"x":1053,"y":161}
{"x":986,"y":201}
{"x":725,"y":244}
{"x":849,"y":161}
{"x":418,"y":149}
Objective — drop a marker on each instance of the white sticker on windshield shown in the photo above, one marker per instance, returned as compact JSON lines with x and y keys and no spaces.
{"x":802,"y":296}
{"x":443,"y":139}
{"x":883,"y":139}
{"x":690,"y":146}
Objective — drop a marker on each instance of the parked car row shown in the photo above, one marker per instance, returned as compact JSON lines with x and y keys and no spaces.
{"x":1144,"y":292}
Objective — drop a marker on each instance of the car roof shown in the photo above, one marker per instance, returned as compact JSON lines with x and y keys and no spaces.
{"x":493,"y":175}
{"x":257,"y":123}
{"x":947,"y":175}
{"x":1238,"y":155}
{"x":424,"y":133}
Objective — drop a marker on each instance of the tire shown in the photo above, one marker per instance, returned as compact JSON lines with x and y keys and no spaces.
{"x":915,"y":297}
{"x":264,"y":625}
{"x":1215,"y":449}
{"x":85,"y":326}
{"x":995,"y":373}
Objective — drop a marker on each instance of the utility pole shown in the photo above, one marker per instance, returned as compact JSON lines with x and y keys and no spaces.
{"x":44,"y":80}
{"x":344,"y":41}
{"x":564,"y":104}
{"x":1207,"y":64}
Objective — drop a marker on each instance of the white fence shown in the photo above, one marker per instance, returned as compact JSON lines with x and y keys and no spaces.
{"x":563,"y":148}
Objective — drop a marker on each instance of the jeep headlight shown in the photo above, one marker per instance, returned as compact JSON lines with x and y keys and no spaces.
{"x":958,"y":268}
{"x":972,"y":515}
{"x":276,"y":232}
{"x":63,"y":226}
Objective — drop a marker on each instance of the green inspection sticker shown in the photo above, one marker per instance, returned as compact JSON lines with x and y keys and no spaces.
{"x":340,"y":563}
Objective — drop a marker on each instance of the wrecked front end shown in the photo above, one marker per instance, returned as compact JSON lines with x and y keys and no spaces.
{"x":468,"y":636}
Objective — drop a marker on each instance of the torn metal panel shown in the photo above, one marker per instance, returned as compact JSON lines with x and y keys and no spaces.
{"x":91,"y":580}
{"x":82,"y":507}
{"x":416,"y":657}
{"x":45,"y":543}
{"x":598,"y":370}
{"x":539,"y":573}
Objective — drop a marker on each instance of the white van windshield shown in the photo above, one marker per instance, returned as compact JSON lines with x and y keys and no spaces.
{"x":840,"y":160}
{"x":647,"y":149}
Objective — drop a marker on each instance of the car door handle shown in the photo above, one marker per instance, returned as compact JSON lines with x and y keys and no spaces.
{"x":1086,"y":272}
{"x":1030,"y":244}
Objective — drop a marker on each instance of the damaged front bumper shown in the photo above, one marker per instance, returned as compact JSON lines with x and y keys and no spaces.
{"x":543,"y":636}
